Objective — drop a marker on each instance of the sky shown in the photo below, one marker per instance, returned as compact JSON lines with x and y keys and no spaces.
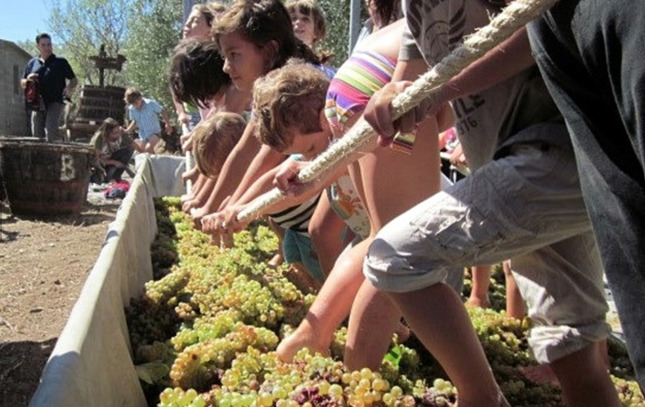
{"x":22,"y":20}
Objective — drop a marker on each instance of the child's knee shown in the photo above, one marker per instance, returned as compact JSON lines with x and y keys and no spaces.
{"x":550,"y":343}
{"x":389,"y":269}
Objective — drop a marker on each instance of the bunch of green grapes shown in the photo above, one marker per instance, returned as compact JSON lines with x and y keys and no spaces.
{"x":193,"y":243}
{"x":295,"y":304}
{"x":260,"y":379}
{"x":149,"y":322}
{"x":506,"y":348}
{"x":628,"y":392}
{"x":164,"y":254}
{"x":155,"y":352}
{"x":218,"y":292}
{"x":258,"y":240}
{"x":205,"y":328}
{"x":166,"y":289}
{"x":163,"y":207}
{"x":177,"y":397}
{"x":197,"y":366}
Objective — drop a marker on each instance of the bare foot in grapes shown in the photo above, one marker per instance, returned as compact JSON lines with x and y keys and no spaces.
{"x":475,"y":302}
{"x":299,"y":339}
{"x":540,"y":374}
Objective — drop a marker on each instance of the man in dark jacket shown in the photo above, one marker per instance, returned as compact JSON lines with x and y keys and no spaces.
{"x":56,"y":81}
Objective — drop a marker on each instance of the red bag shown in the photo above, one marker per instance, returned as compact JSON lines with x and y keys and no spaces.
{"x":33,"y":100}
{"x":117,"y":191}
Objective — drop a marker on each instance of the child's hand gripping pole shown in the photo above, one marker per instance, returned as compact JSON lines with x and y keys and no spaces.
{"x":513,"y":17}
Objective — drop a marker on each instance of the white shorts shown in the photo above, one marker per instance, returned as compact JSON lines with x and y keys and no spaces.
{"x":527,"y":207}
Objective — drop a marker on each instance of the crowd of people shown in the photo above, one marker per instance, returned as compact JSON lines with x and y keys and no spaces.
{"x":550,"y":128}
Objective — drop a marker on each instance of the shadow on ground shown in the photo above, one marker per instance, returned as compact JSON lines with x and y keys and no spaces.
{"x":21,"y":364}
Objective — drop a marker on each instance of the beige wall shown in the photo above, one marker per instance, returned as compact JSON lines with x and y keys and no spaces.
{"x":13,"y":118}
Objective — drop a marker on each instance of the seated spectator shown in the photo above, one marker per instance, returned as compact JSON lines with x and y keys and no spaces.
{"x":114,"y":149}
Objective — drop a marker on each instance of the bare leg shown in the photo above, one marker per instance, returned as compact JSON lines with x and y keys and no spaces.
{"x":544,"y":373}
{"x":326,"y":229}
{"x":440,"y":321}
{"x":151,"y":144}
{"x":594,"y":388}
{"x":372,"y":322}
{"x":515,"y":307}
{"x":330,"y":308}
{"x":481,"y":284}
{"x":373,"y":316}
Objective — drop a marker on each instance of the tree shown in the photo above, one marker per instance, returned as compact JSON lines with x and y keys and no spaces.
{"x":82,"y":26}
{"x":154,"y":30}
{"x":337,"y":19}
{"x":29,"y":46}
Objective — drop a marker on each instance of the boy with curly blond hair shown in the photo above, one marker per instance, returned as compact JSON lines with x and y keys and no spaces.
{"x":214,"y":139}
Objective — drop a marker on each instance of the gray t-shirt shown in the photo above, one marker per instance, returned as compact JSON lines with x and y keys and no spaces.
{"x":488,"y":120}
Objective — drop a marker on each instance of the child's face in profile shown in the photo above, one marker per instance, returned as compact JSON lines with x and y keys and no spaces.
{"x":309,"y":145}
{"x":196,"y":25}
{"x":244,"y":62}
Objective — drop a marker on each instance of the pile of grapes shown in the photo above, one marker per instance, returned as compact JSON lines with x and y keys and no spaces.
{"x":205,"y":330}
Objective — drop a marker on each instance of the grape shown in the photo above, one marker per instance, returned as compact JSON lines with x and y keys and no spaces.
{"x":213,"y":317}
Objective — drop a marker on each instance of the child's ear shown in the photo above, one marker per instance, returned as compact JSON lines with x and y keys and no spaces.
{"x":271,"y":52}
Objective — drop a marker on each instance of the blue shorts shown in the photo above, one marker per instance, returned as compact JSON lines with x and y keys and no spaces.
{"x":297,"y":248}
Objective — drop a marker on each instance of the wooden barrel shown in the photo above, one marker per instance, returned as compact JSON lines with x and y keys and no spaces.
{"x":43,"y":179}
{"x":96,"y":104}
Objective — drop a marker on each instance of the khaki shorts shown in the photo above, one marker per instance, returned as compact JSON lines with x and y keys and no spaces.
{"x":527,"y":207}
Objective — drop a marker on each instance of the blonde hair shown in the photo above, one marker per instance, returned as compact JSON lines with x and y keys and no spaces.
{"x":288,"y":98}
{"x":214,"y":140}
{"x":132,"y":95}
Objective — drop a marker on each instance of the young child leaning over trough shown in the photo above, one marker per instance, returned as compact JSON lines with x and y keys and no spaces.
{"x":289,"y":124}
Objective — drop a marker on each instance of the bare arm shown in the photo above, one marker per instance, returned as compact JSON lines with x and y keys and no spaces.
{"x":235,"y":167}
{"x":502,"y":62}
{"x":228,"y":216}
{"x":265,"y":184}
{"x":71,"y":85}
{"x":246,"y":163}
{"x":182,"y":116}
{"x":264,"y":161}
{"x":131,"y":126}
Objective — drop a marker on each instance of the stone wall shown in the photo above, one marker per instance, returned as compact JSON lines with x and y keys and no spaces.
{"x":13,"y":117}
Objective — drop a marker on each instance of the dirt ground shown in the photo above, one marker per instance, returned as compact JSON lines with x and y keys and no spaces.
{"x":43,"y":266}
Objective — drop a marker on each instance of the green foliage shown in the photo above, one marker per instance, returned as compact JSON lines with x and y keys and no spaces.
{"x":154,"y":29}
{"x":145,"y":32}
{"x":337,"y":18}
{"x":29,"y":46}
{"x":80,"y":27}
